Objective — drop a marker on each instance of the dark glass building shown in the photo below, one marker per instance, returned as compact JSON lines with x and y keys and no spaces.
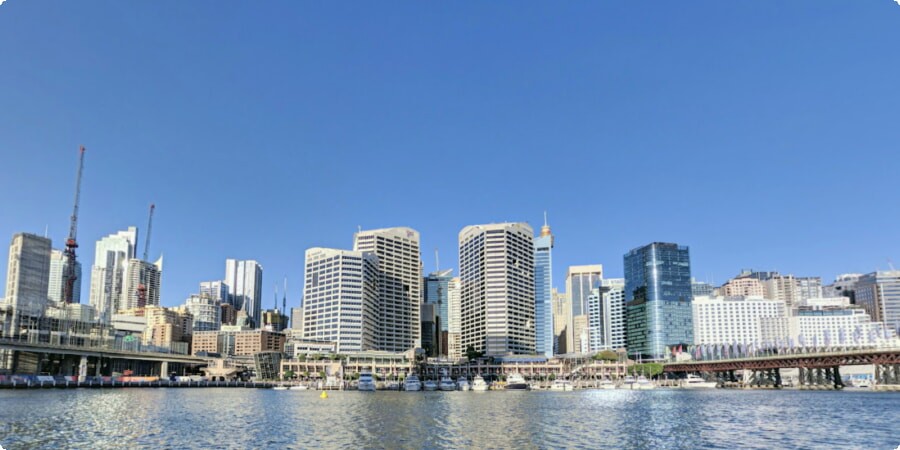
{"x":658,"y":299}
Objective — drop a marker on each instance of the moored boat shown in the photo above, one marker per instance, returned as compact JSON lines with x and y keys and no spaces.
{"x":430,"y":385}
{"x":366,"y":382}
{"x":447,"y":384}
{"x":516,"y":382}
{"x":695,"y":382}
{"x":642,"y":383}
{"x":463,"y":384}
{"x":478,"y":384}
{"x":561,"y":385}
{"x":412,"y":384}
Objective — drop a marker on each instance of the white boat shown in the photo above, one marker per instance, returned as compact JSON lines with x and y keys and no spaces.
{"x":430,"y":385}
{"x":627,"y":382}
{"x":516,"y":382}
{"x":562,"y":385}
{"x":366,"y":382}
{"x":478,"y":384}
{"x":280,"y":387}
{"x":463,"y":384}
{"x":863,"y":384}
{"x":412,"y":383}
{"x":642,"y":383}
{"x":695,"y":382}
{"x":299,"y":387}
{"x":607,"y":384}
{"x":392,"y":386}
{"x":447,"y":384}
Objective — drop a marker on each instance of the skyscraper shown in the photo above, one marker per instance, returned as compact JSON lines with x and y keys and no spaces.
{"x":437,"y":292}
{"x":658,"y":295}
{"x":399,"y":285}
{"x":580,"y":281}
{"x":340,"y":298}
{"x":543,"y":285}
{"x":216,"y":290}
{"x":606,"y":315}
{"x":497,"y":288}
{"x":28,"y":273}
{"x":111,"y":257}
{"x":206,"y":312}
{"x":244,"y":281}
{"x":58,"y":263}
{"x":143,"y":281}
{"x":454,"y":322}
{"x":562,"y":323}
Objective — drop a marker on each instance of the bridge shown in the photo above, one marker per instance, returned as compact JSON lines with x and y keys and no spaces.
{"x":818,"y":370}
{"x":24,"y":356}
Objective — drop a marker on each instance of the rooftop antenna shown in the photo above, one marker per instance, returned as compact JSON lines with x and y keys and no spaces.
{"x":437,"y":261}
{"x":545,"y":218}
{"x":359,"y":228}
{"x":275,"y":307}
{"x":46,"y":230}
{"x":891,"y":264}
{"x":284,"y":297}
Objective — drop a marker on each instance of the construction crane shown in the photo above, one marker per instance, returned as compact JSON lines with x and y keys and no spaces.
{"x":142,"y":286}
{"x":69,"y":275}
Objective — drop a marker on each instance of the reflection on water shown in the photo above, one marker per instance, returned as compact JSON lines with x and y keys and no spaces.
{"x":250,"y":418}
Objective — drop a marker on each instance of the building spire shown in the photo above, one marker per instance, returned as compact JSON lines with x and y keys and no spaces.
{"x":545,"y":230}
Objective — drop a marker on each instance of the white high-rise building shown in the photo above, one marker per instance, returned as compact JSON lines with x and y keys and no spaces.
{"x":142,"y":285}
{"x":833,"y":322}
{"x":216,"y":290}
{"x":741,"y":320}
{"x":497,"y":288}
{"x":340,"y":298}
{"x":28,"y":273}
{"x":399,"y":285}
{"x":111,"y":257}
{"x":454,"y":324}
{"x":57,"y":288}
{"x":606,"y":315}
{"x":244,"y":281}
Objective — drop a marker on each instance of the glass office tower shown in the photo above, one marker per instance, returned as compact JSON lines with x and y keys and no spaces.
{"x":658,"y":298}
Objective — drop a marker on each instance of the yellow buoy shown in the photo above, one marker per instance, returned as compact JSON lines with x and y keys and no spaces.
{"x":324,"y":395}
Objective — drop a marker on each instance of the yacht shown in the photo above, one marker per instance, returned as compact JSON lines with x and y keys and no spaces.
{"x":447,"y":384}
{"x":607,"y":384}
{"x":627,"y":382}
{"x":478,"y":384}
{"x":280,"y":387}
{"x":412,"y":383}
{"x":643,"y":383}
{"x":695,"y":382}
{"x":430,"y":385}
{"x":299,"y":387}
{"x":392,"y":386}
{"x":562,"y":385}
{"x":516,"y":382}
{"x":463,"y":384}
{"x":366,"y":382}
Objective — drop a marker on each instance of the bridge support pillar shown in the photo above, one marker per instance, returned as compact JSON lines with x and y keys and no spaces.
{"x":836,"y":375}
{"x":776,"y":378}
{"x":164,"y":370}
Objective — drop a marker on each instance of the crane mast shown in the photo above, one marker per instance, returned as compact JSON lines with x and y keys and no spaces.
{"x":149,"y":229}
{"x":69,"y":275}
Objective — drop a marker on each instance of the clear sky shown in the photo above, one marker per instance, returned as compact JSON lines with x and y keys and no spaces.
{"x":762,"y":134}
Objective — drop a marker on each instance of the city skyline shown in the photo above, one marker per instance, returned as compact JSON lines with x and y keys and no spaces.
{"x":694,"y":112}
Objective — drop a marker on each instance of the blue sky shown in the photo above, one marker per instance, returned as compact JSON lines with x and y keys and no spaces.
{"x":760,"y":133}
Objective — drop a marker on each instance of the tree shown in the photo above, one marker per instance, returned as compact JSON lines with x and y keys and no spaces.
{"x":288,"y":374}
{"x":472,"y":354}
{"x":606,"y":355}
{"x":647,"y":369}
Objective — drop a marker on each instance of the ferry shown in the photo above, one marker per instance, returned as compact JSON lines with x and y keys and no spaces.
{"x":412,"y":383}
{"x":478,"y":384}
{"x":695,"y":382}
{"x":562,"y":385}
{"x":516,"y":382}
{"x":463,"y":384}
{"x":366,"y":382}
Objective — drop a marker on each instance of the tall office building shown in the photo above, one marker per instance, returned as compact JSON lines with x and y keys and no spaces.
{"x":606,"y":315}
{"x":581,"y":331}
{"x":216,"y":290}
{"x":543,"y":285}
{"x":340,"y":298}
{"x":58,"y":264}
{"x":562,"y":323}
{"x":497,"y":281}
{"x":658,"y":297}
{"x":454,"y":322}
{"x":28,"y":273}
{"x":879,"y":294}
{"x":142,"y":284}
{"x":809,"y":287}
{"x":111,"y":257}
{"x":739,"y":319}
{"x":244,"y":281}
{"x":437,"y":290}
{"x":580,"y":281}
{"x":399,"y":285}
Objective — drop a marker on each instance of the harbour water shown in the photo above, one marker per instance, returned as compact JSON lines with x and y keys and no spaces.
{"x":263,"y":418}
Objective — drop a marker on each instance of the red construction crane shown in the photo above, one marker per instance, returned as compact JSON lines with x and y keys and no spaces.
{"x":69,"y":276}
{"x":142,"y":287}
